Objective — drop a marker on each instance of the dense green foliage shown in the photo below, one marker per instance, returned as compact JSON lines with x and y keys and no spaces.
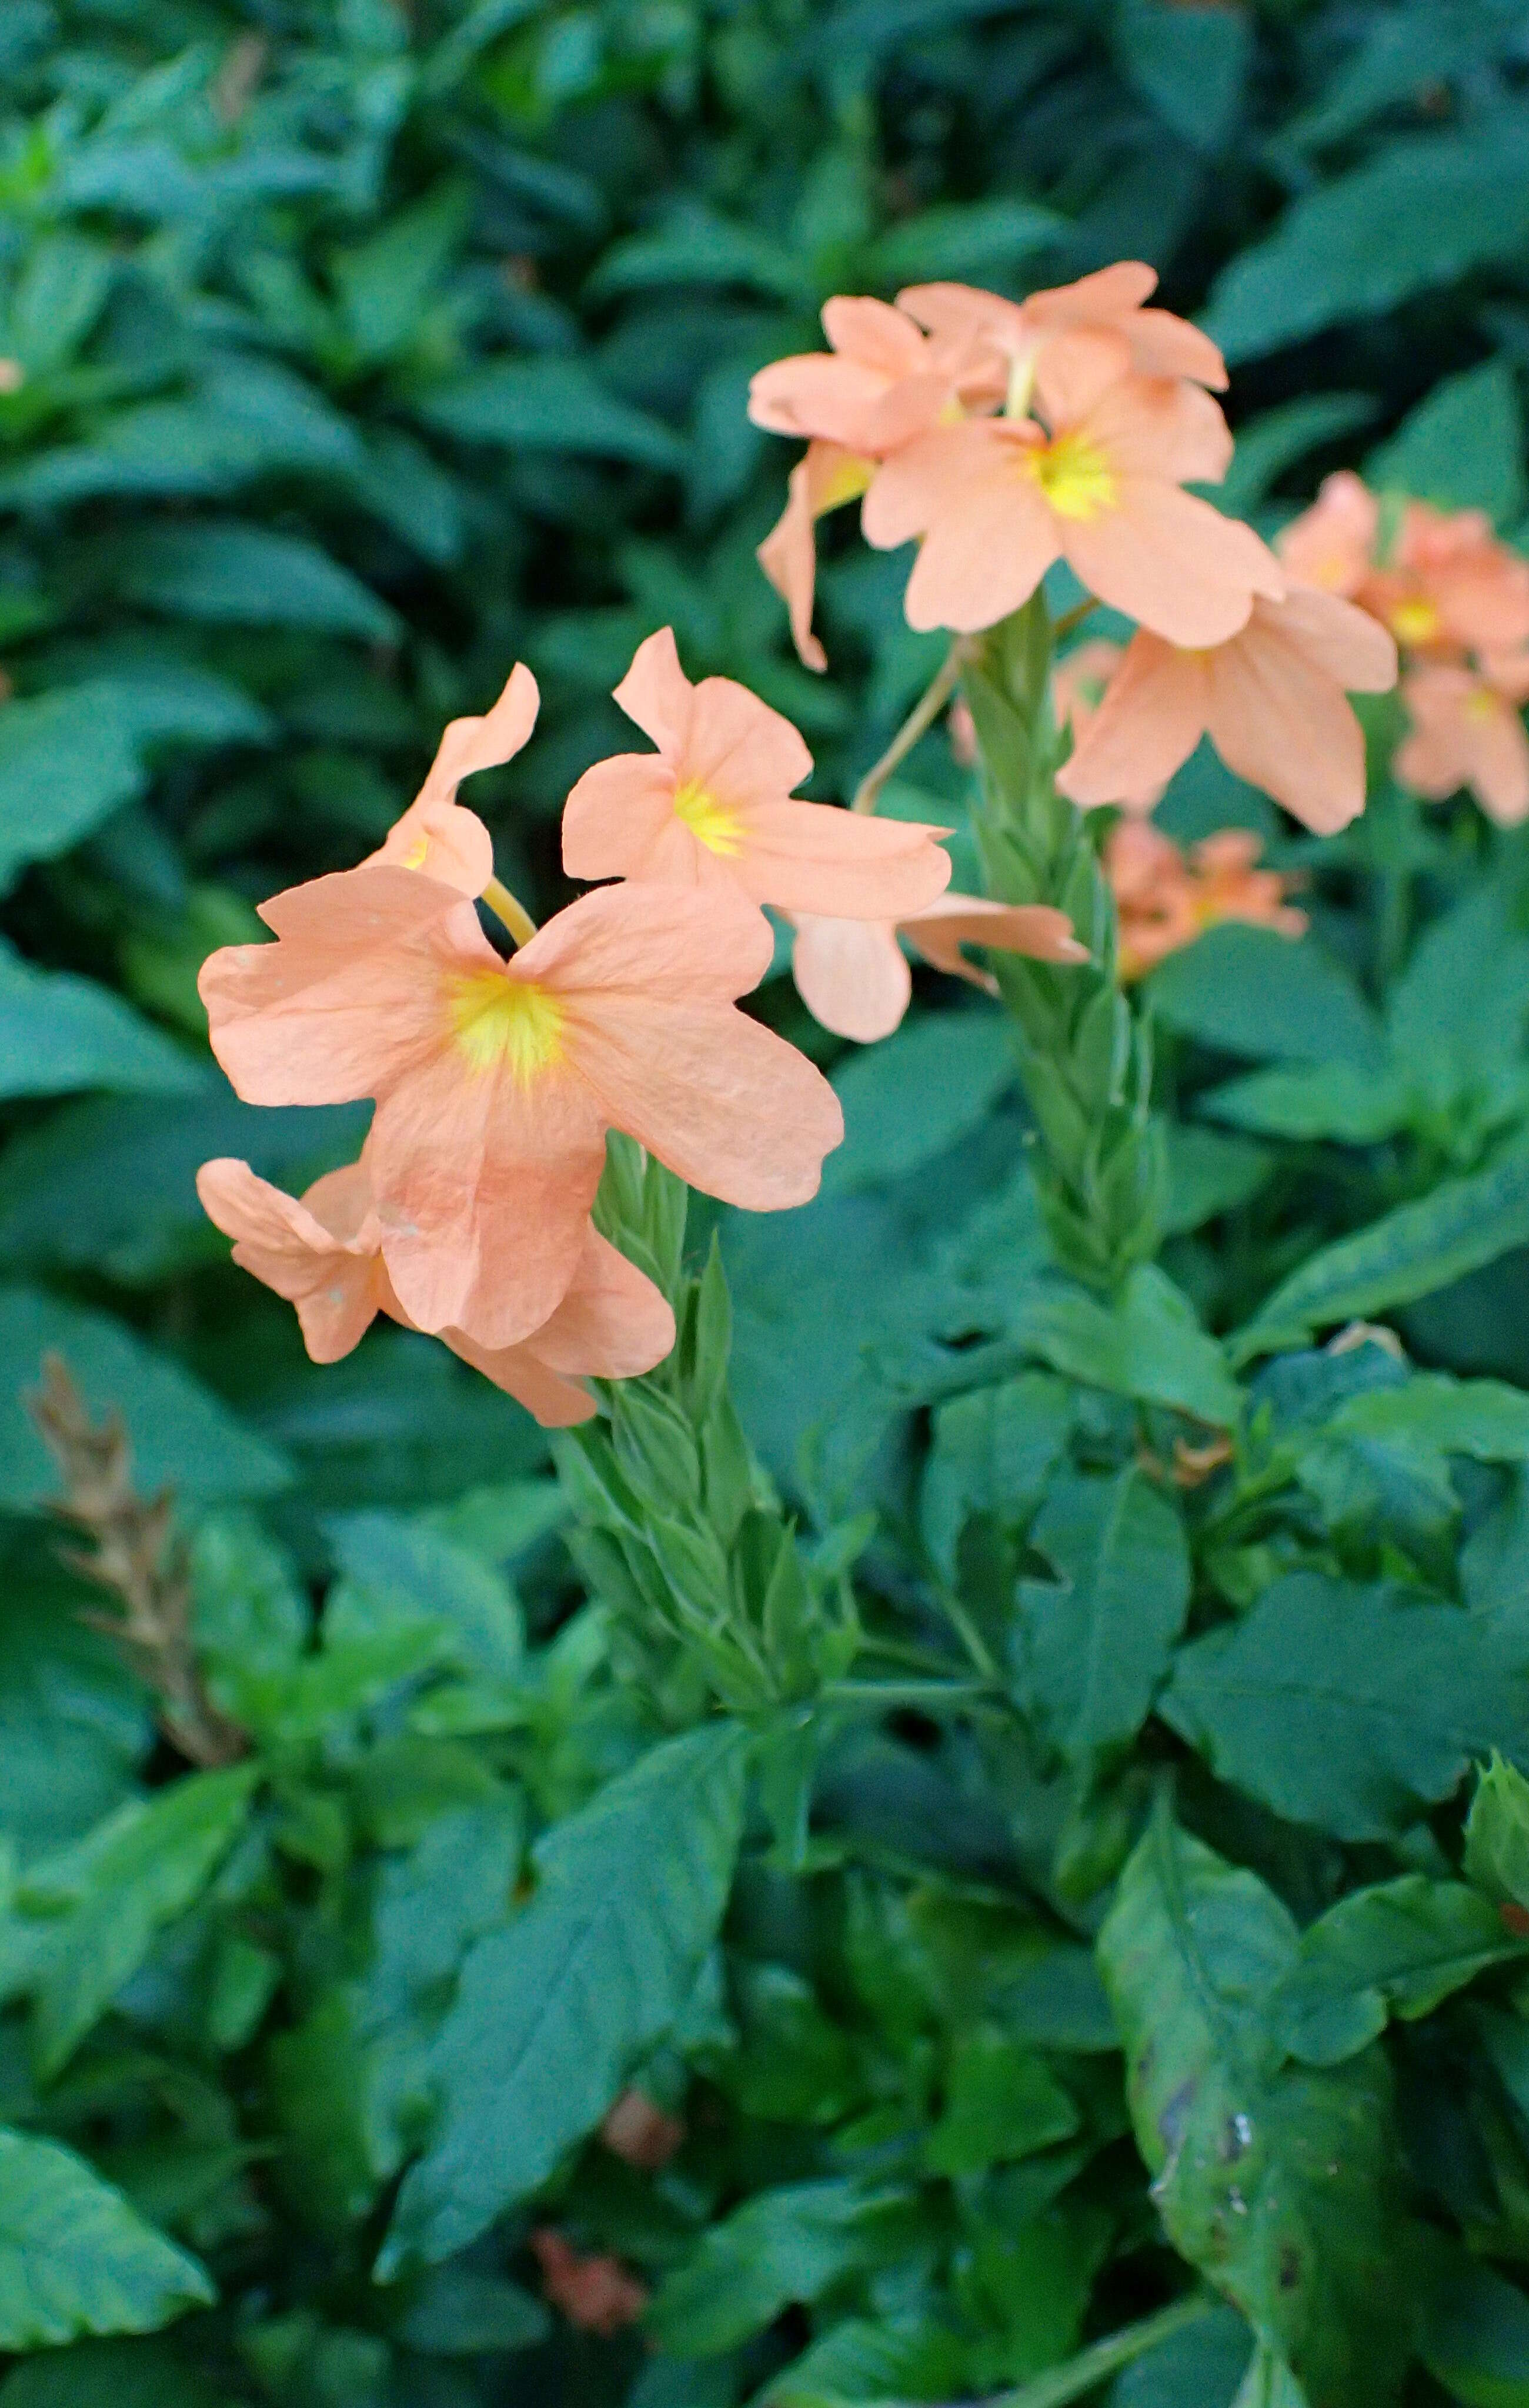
{"x":1039,"y":1885}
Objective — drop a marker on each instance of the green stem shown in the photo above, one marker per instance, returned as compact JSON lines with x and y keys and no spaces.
{"x":1103,"y":2358}
{"x":926,"y":711}
{"x":1085,"y":1054}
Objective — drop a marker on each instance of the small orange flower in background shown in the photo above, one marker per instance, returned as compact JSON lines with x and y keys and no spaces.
{"x":714,"y":809}
{"x":1166,"y":897}
{"x":854,"y":977}
{"x":324,"y":1256}
{"x":1446,"y":583}
{"x":639,"y":2133}
{"x":496,"y":1081}
{"x":594,"y":2293}
{"x":1467,"y":731}
{"x":436,"y":834}
{"x":1272,"y":700}
{"x":997,"y":500}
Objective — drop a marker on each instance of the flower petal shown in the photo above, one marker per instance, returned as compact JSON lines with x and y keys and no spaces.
{"x":616,"y":815}
{"x":1173,"y":563}
{"x":436,"y":835}
{"x":852,"y":976}
{"x":1285,"y":725}
{"x":1149,"y":719}
{"x":283,"y":1243}
{"x":657,"y":694}
{"x":811,"y":857}
{"x":955,"y":920}
{"x":613,"y":1324}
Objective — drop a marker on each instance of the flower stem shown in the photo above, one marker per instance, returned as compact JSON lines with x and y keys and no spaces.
{"x":1095,"y":2365}
{"x":517,"y":921}
{"x":1085,"y":1054}
{"x":926,"y":711}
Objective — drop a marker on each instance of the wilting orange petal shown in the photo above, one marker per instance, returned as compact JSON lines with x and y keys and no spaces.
{"x":955,"y":920}
{"x":320,"y":1254}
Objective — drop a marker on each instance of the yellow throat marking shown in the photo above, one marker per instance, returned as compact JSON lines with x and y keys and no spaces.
{"x":710,"y":823}
{"x":496,"y":1019}
{"x":1074,"y":475}
{"x":1415,"y":621}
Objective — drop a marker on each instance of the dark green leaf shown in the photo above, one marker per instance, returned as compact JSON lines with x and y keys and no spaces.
{"x":550,"y":405}
{"x":1097,"y":1642}
{"x":231,"y":573}
{"x":1397,"y":1948}
{"x":784,"y":2247}
{"x":75,"y":2258}
{"x":1246,"y":990}
{"x":554,"y":2011}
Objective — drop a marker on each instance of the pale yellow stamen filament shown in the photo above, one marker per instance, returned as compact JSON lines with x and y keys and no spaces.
{"x":517,"y":921}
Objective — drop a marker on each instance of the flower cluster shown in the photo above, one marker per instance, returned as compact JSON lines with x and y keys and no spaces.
{"x":1005,"y":437}
{"x":1457,"y":602}
{"x":1168,"y":896}
{"x":495,"y":1077}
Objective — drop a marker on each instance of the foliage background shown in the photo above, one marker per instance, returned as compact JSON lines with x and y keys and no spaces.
{"x":364,"y":349}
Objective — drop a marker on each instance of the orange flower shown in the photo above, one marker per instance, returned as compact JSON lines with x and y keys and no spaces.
{"x":1332,"y":543}
{"x":997,"y":500}
{"x":1466,"y":731}
{"x":1166,"y":898}
{"x":1272,"y":701}
{"x":639,"y":2133}
{"x":594,"y":2293}
{"x":1079,"y":683}
{"x":854,"y":977}
{"x":496,"y":1081}
{"x":1447,"y":585}
{"x":1110,"y":303}
{"x":436,"y":834}
{"x":713,"y":807}
{"x":324,"y":1255}
{"x":883,"y":382}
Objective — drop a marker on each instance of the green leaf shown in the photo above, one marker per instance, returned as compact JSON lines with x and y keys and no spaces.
{"x":109,"y":1185}
{"x":1246,"y":990}
{"x":549,"y":406}
{"x":1097,"y":1643}
{"x":1001,"y":2102}
{"x":1279,"y":2185}
{"x":181,"y":1437}
{"x":1207,"y":1175}
{"x":1422,"y":212}
{"x":1496,"y":1857}
{"x":993,"y":1452}
{"x":1320,"y":1099}
{"x":1484,"y":1419}
{"x":781,"y":2249}
{"x":386,"y":284}
{"x":76,"y":2259}
{"x":230,"y":573}
{"x":149,"y":1865}
{"x":400,"y":1573}
{"x":962,"y":239}
{"x":1407,"y":1254}
{"x":1461,"y":448}
{"x":696,"y":245}
{"x":956,"y":1064}
{"x":59,"y":1033}
{"x":1344,"y":1707}
{"x":1397,"y":1948}
{"x":1204,"y":2364}
{"x":455,"y":2312}
{"x":1146,"y":1345}
{"x":876,"y":2360}
{"x":553,"y":2013}
{"x":129,"y":2373}
{"x":1278,"y":439}
{"x":1475,"y":2336}
{"x":1191,"y":64}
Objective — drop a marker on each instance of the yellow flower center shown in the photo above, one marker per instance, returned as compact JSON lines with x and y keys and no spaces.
{"x":710,"y":823}
{"x":1482,"y":705}
{"x":496,"y":1019}
{"x":417,"y":854}
{"x":1074,"y":475}
{"x":1415,"y":621}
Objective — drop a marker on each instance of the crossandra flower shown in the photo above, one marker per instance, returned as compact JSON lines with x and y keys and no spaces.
{"x":1111,"y":303}
{"x":324,"y":1256}
{"x":1467,"y":731}
{"x":713,"y":807}
{"x":1444,"y":583}
{"x":996,"y":500}
{"x":853,"y":978}
{"x":1272,"y":700}
{"x":823,"y":478}
{"x":884,"y":379}
{"x":1166,"y":897}
{"x":436,"y":834}
{"x":496,"y":1081}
